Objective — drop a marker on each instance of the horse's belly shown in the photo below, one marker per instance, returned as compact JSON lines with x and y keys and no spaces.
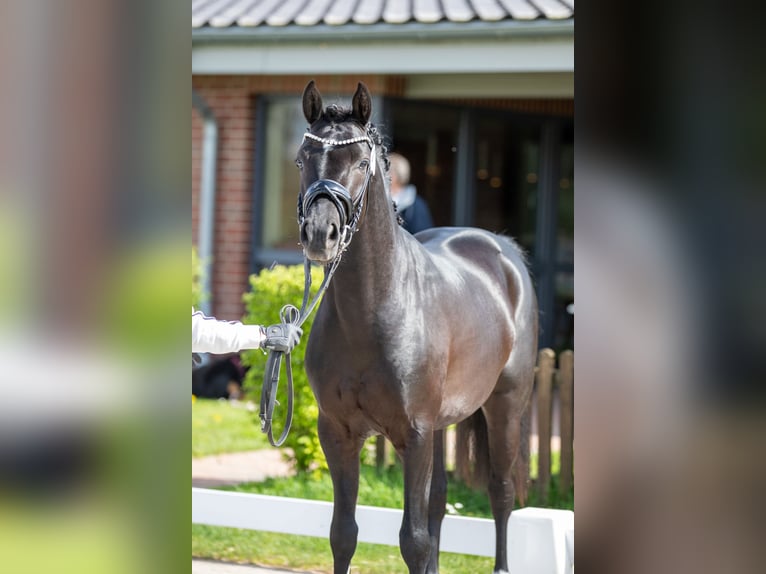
{"x":470,"y":379}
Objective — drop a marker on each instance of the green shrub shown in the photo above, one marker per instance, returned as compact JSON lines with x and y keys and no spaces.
{"x":270,"y":291}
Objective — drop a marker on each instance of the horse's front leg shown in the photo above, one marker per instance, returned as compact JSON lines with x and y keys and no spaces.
{"x":414,"y":538}
{"x":342,"y":452}
{"x":437,"y":503}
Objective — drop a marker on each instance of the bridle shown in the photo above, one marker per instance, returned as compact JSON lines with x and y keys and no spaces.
{"x":350,"y":212}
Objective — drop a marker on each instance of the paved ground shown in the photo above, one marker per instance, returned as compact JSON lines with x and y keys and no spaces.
{"x":228,"y":469}
{"x":212,"y":567}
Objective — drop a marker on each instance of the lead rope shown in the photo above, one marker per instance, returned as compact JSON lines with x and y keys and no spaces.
{"x":290,"y":314}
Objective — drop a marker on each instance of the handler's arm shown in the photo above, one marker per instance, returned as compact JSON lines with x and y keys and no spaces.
{"x":210,"y":335}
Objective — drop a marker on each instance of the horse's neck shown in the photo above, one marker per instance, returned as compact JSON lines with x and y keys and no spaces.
{"x":372,"y":263}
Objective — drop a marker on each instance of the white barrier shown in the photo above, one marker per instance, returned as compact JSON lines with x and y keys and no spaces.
{"x":540,"y":540}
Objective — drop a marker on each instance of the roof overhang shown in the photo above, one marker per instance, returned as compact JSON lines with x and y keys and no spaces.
{"x":473,"y":47}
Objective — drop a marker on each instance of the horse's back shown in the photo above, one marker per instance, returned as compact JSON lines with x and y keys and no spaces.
{"x":468,"y":242}
{"x":484,"y":252}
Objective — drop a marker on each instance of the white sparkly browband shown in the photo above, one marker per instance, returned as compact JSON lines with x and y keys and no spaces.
{"x":339,"y":142}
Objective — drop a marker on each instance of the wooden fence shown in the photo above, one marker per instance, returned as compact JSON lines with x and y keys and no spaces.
{"x":547,"y":379}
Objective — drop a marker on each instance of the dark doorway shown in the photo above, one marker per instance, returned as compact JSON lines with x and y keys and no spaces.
{"x":507,"y":172}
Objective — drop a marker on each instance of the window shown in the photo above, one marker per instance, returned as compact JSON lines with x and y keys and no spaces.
{"x":281,"y":127}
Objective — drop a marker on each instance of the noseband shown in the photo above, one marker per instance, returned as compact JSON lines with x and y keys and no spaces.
{"x":349,"y":210}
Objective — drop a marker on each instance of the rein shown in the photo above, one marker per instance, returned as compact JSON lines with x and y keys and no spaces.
{"x":350,"y":212}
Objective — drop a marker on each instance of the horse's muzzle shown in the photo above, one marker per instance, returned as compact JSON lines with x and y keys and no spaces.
{"x":324,"y":211}
{"x":320,"y":232}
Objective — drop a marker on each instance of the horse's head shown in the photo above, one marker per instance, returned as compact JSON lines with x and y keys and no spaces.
{"x":337,"y":159}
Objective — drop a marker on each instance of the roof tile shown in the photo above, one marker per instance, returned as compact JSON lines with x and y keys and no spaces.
{"x":520,"y":9}
{"x":397,"y":11}
{"x":312,"y":13}
{"x":553,"y":9}
{"x":488,"y":10}
{"x":458,"y":10}
{"x":340,"y":12}
{"x":258,"y":13}
{"x":205,"y":11}
{"x":427,"y":11}
{"x":227,"y":17}
{"x":369,"y":11}
{"x":285,"y":13}
{"x":280,"y":13}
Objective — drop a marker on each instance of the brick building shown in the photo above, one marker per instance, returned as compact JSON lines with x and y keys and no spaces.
{"x":479,"y":97}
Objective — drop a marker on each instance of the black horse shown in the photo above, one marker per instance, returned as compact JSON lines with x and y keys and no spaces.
{"x":414,"y":333}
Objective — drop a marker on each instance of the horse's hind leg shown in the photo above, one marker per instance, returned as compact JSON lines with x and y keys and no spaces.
{"x":504,"y":411}
{"x":437,"y":501}
{"x":342,"y":453}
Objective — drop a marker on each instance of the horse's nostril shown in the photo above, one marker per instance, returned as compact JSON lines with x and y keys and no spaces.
{"x":333,"y":232}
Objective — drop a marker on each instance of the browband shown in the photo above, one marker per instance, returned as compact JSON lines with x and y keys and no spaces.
{"x":339,"y":142}
{"x":358,"y":139}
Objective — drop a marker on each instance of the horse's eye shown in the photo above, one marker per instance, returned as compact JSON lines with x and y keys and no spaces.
{"x":363,"y":164}
{"x":299,"y":164}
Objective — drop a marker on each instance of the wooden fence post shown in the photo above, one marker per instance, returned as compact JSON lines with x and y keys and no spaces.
{"x":545,"y":367}
{"x":566,"y":397}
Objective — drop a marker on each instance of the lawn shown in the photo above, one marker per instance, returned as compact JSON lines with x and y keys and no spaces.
{"x":220,"y":426}
{"x":307,"y":553}
{"x":313,"y":554}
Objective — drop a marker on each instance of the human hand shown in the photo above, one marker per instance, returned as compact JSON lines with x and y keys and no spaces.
{"x":282,"y":337}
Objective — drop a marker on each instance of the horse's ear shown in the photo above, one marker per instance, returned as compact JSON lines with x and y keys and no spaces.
{"x":362,"y":104}
{"x":312,"y":103}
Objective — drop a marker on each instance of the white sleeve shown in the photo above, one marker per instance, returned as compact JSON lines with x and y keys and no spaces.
{"x":210,"y":335}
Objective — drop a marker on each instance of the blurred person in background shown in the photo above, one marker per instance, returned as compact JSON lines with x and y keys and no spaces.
{"x":409,"y":205}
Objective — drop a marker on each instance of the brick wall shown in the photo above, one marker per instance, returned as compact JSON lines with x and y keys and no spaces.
{"x":233,"y":100}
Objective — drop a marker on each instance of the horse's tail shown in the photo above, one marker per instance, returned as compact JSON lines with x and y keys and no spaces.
{"x":520,"y":469}
{"x":472,"y":453}
{"x":472,"y":450}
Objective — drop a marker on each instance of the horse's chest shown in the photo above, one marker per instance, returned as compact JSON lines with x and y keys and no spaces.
{"x":380,"y":369}
{"x":361,"y":383}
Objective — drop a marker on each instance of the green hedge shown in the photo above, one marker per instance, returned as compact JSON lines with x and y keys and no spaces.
{"x":271,"y":289}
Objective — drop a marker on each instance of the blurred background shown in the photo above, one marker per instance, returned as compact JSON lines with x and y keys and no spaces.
{"x":94,"y":235}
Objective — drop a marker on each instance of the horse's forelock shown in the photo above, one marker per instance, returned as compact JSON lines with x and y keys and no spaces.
{"x":337,"y":114}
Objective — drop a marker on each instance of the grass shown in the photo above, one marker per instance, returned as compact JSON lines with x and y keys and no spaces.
{"x":219,"y":426}
{"x":313,"y":554}
{"x":307,"y":553}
